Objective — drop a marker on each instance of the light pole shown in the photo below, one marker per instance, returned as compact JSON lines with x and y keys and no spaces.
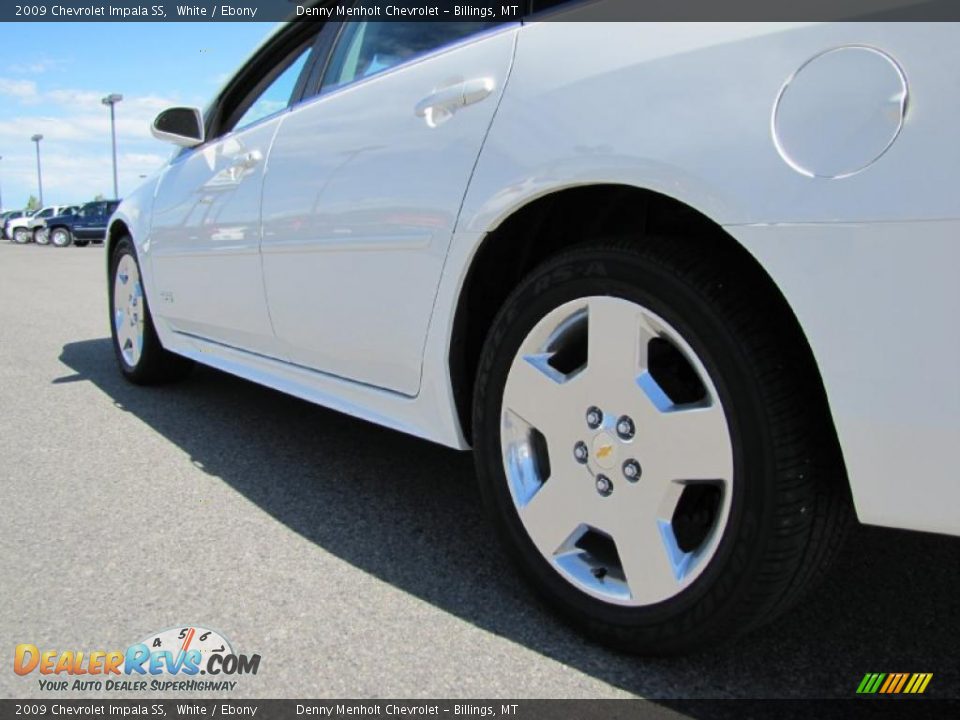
{"x":111,"y":100}
{"x":37,"y":138}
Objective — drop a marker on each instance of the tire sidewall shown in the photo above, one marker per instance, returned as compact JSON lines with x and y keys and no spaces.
{"x":625,"y":275}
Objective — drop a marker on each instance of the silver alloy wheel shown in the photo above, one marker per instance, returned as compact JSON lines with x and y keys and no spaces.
{"x":608,"y":525}
{"x":128,"y":310}
{"x":60,"y":237}
{"x":21,"y":236}
{"x":41,"y":236}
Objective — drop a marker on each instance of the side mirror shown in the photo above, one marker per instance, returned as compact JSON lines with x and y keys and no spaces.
{"x":180,"y":125}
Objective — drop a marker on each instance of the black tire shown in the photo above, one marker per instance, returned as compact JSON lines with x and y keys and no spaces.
{"x":81,"y":243}
{"x":155,"y":364}
{"x":41,"y":236}
{"x":60,"y":237}
{"x":790,"y":501}
{"x":21,"y":236}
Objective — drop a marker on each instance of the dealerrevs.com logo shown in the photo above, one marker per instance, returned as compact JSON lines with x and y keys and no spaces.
{"x":184,"y":659}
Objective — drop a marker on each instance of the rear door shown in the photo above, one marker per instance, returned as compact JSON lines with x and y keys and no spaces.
{"x":91,"y":221}
{"x":363,"y":191}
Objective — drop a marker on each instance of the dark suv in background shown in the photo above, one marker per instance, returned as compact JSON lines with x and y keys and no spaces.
{"x":88,"y":224}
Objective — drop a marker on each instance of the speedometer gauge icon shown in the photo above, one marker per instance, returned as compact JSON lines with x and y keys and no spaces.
{"x":180,"y":640}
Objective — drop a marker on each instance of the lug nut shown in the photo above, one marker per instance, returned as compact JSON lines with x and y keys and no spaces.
{"x":580,"y":452}
{"x":625,"y":428}
{"x":604,"y":486}
{"x":631,"y":470}
{"x":594,"y":417}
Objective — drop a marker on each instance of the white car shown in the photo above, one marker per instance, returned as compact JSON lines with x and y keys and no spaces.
{"x":686,"y":291}
{"x":14,"y":222}
{"x":31,"y":227}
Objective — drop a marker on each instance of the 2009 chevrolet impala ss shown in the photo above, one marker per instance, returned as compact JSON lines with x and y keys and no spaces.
{"x":685,"y":289}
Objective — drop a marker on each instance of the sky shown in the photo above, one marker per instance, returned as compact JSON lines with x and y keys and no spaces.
{"x":53,"y":76}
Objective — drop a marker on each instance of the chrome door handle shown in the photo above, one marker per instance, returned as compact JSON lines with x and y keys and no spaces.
{"x":440,"y":105}
{"x":476,"y":90}
{"x":449,"y":99}
{"x":248,"y":160}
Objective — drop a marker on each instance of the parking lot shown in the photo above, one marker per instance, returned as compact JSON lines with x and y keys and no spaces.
{"x":353,"y":559}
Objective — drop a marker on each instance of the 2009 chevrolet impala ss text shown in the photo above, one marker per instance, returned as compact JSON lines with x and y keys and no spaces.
{"x":686,"y":292}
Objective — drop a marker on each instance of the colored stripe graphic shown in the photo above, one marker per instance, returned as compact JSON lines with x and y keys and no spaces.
{"x":894,"y":683}
{"x":891,"y":678}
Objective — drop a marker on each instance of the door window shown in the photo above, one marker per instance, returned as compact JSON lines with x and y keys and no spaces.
{"x":367,"y":48}
{"x":277,"y":95}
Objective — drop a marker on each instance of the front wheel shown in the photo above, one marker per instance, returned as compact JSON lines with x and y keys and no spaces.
{"x":60,"y":237}
{"x":41,"y":236}
{"x":647,"y":450}
{"x":21,"y":236}
{"x":139,"y":354}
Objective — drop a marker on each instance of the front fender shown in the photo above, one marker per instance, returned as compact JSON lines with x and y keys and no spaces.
{"x":133,"y":218}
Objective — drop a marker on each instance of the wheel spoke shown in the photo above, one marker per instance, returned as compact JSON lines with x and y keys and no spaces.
{"x":136,"y":341}
{"x":618,"y":336}
{"x":124,"y":336}
{"x":554,"y":512}
{"x":650,"y":573}
{"x":686,"y":444}
{"x":537,"y":393}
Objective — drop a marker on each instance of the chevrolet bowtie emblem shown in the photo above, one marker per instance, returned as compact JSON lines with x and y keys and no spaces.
{"x":604,"y":451}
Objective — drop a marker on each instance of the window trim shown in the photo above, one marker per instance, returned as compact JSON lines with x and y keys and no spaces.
{"x":316,"y":90}
{"x":246,"y":86}
{"x":232,"y":121}
{"x":249,"y":81}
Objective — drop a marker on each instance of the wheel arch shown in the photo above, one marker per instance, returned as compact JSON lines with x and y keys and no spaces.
{"x":551,"y":223}
{"x":118,"y":229}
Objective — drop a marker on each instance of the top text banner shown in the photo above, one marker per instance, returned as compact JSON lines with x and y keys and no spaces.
{"x":509,"y":11}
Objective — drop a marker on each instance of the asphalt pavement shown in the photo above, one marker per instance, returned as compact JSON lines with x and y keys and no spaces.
{"x":355,"y":560}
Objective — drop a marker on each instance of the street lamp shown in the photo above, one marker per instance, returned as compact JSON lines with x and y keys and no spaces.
{"x":37,"y":138}
{"x":111,"y":100}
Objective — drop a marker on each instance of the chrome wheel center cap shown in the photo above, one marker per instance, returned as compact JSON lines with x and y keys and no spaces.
{"x":605,"y":450}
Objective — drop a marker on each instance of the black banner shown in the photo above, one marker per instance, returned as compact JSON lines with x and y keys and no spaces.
{"x":443,"y":11}
{"x":479,"y":709}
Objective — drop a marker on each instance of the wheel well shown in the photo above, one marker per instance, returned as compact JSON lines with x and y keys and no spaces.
{"x":575,"y":217}
{"x":117,"y":230}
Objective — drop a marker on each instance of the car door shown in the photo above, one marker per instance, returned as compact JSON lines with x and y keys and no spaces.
{"x":205,"y":233}
{"x":89,"y":221}
{"x":364,"y":188}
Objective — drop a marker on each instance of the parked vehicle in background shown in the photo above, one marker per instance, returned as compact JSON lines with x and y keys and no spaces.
{"x":7,"y":215}
{"x":19,"y":219}
{"x":89,"y":224}
{"x":37,"y":226}
{"x":684,"y":291}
